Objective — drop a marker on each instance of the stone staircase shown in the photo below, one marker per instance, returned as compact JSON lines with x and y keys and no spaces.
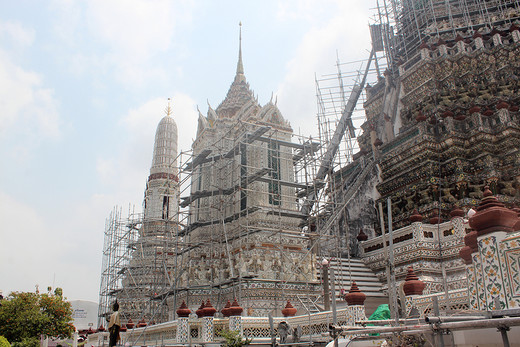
{"x":365,"y":279}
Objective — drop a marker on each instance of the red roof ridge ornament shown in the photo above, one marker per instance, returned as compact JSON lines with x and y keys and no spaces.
{"x":465,"y":253}
{"x":183,"y":310}
{"x":420,"y":117}
{"x":435,"y":218}
{"x":355,"y":296}
{"x":415,"y":217}
{"x":502,"y":105}
{"x":225,"y":309}
{"x":289,"y":310}
{"x":457,"y":212}
{"x":200,"y":312}
{"x":209,"y":310}
{"x":492,"y":216}
{"x":235,"y":309}
{"x":412,"y":284}
{"x":362,"y":236}
{"x":470,"y":240}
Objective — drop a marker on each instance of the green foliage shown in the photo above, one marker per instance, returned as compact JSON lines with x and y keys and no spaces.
{"x":27,"y":342}
{"x":26,"y":316}
{"x":233,"y":339}
{"x":4,"y":342}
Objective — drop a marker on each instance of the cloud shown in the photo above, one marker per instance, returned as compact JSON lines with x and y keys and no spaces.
{"x":125,"y":172}
{"x":28,"y":247}
{"x":132,"y":34}
{"x":146,"y":117}
{"x":308,"y":10}
{"x":133,"y":26}
{"x":16,"y":33}
{"x":29,"y":108}
{"x":55,"y":247}
{"x":316,"y":54}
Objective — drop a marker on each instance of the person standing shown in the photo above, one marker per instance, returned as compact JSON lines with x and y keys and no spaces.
{"x":114,"y":325}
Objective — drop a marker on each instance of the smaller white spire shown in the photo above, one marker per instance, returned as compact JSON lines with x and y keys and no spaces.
{"x":240,"y":66}
{"x":239,"y":77}
{"x":165,"y":145}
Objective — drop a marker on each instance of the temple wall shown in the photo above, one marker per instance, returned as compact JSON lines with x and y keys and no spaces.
{"x":456,"y":125}
{"x":417,"y":245}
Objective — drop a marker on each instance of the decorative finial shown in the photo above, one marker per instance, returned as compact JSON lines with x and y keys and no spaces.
{"x":168,"y":109}
{"x":240,"y":66}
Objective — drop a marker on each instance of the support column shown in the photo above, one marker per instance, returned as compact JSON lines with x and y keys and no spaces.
{"x":325,"y":279}
{"x":355,"y":313}
{"x":183,"y":326}
{"x":412,"y":288}
{"x":183,"y":330}
{"x":491,"y":222}
{"x":356,"y":305}
{"x":235,"y":324}
{"x":208,"y":329}
{"x":479,"y":281}
{"x":472,"y":287}
{"x":493,"y":278}
{"x":235,"y":318}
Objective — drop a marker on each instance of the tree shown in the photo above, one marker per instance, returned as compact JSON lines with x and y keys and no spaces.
{"x":233,"y":339}
{"x":25,"y":316}
{"x":4,"y":342}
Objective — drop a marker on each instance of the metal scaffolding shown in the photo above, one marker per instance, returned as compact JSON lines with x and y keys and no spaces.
{"x":406,"y":24}
{"x":120,"y":233}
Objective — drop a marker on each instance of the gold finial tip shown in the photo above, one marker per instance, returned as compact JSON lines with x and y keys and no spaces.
{"x":168,"y":109}
{"x":240,"y":23}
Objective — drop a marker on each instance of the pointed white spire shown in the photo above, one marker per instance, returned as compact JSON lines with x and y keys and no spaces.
{"x":240,"y":77}
{"x":240,"y":66}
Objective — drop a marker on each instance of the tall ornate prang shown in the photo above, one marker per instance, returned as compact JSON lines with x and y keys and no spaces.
{"x":147,"y":273}
{"x":242,"y":171}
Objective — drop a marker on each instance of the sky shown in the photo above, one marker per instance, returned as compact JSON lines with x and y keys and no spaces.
{"x":83,"y":85}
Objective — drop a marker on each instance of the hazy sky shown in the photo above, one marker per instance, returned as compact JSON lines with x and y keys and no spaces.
{"x":83,"y":85}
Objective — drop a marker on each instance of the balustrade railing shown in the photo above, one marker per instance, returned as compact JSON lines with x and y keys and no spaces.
{"x":428,"y":234}
{"x":314,"y":327}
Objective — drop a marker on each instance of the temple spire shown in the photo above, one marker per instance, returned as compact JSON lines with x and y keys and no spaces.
{"x":240,"y":66}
